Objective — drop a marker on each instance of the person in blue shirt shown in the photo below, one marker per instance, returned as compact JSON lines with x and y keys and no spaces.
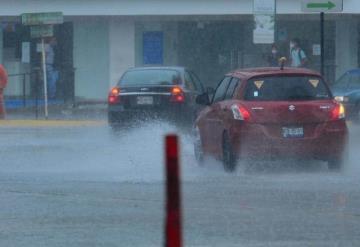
{"x":297,"y":55}
{"x":52,"y":73}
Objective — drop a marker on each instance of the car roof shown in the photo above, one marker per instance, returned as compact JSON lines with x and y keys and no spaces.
{"x":178,"y":68}
{"x":269,"y":71}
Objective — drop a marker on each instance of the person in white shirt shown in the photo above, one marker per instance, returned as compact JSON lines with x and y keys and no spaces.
{"x":297,"y":55}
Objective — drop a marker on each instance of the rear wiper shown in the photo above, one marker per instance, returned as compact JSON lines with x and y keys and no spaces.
{"x":298,"y":97}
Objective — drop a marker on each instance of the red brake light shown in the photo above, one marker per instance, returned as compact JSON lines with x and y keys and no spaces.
{"x":240,"y":113}
{"x":245,"y":113}
{"x":177,"y":95}
{"x":338,"y":112}
{"x":114,"y":95}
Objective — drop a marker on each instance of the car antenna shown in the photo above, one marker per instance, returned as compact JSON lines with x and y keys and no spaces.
{"x":282,"y":61}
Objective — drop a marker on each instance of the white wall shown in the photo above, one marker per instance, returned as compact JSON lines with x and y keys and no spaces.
{"x":121,"y":48}
{"x":151,"y":7}
{"x":346,"y":45}
{"x":171,"y":44}
{"x":91,"y":58}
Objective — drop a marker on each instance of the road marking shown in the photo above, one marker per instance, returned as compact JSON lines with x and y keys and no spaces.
{"x":51,"y":123}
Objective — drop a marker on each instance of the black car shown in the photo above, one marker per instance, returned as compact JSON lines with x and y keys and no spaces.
{"x":347,"y":91}
{"x":154,"y":92}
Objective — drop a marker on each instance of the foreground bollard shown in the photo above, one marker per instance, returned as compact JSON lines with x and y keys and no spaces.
{"x":173,"y":235}
{"x":3,"y":83}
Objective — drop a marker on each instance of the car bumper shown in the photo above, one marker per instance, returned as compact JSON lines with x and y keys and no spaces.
{"x":250,"y":141}
{"x":121,"y":114}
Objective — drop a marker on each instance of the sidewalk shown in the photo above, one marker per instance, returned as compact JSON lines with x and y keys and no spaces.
{"x":60,"y":112}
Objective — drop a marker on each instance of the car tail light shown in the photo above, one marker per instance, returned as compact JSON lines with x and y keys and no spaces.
{"x":177,"y":95}
{"x":338,"y":112}
{"x":240,"y":113}
{"x":114,"y":96}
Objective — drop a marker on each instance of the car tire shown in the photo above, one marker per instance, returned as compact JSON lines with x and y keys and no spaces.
{"x":356,"y":117}
{"x":337,"y":164}
{"x":198,"y":150}
{"x":113,"y":120}
{"x":229,"y":159}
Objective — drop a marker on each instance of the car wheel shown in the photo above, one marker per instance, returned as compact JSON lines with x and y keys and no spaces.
{"x":337,"y":164}
{"x":229,"y":158}
{"x":113,"y":120}
{"x":357,"y":113}
{"x":198,"y":150}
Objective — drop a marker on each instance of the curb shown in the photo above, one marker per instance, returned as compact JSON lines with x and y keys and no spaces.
{"x":51,"y":123}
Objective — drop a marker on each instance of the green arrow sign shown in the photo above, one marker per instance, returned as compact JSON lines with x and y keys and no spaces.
{"x":322,"y":5}
{"x":328,"y":5}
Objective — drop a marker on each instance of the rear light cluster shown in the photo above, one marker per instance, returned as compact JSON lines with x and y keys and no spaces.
{"x":114,"y":97}
{"x":177,"y":95}
{"x":240,"y":113}
{"x":338,"y":112}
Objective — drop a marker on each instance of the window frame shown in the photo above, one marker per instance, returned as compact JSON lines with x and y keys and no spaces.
{"x":190,"y":82}
{"x":237,"y":82}
{"x":200,"y":87}
{"x":217,"y":88}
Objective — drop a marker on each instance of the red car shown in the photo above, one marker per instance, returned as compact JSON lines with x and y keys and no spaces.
{"x":271,"y":113}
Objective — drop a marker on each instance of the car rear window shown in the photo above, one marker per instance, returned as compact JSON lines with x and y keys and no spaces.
{"x":150,"y":77}
{"x":286,"y":88}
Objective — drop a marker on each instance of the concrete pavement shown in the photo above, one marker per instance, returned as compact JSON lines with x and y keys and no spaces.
{"x":88,"y":186}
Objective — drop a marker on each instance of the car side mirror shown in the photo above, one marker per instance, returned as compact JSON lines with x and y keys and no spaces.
{"x":202,"y":99}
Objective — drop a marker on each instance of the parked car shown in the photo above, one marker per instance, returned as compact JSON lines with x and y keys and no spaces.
{"x":347,"y":91}
{"x":271,"y":113}
{"x":152,"y":92}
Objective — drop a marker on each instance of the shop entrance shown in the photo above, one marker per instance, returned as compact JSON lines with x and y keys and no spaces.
{"x":63,"y":61}
{"x":22,"y":58}
{"x":211,"y":48}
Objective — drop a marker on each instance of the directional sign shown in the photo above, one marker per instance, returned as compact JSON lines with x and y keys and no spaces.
{"x":322,"y":6}
{"x":41,"y":31}
{"x":49,"y":18}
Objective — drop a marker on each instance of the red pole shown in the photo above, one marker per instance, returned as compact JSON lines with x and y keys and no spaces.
{"x":3,"y":83}
{"x":173,"y":237}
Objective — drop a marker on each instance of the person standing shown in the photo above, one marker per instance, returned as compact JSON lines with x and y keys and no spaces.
{"x":52,"y":74}
{"x":273,"y":58}
{"x":3,"y":83}
{"x":297,"y":55}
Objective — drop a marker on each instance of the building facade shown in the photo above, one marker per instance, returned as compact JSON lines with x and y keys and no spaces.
{"x":99,"y":40}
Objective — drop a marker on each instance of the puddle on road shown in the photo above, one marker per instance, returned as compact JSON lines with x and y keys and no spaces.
{"x":134,"y":155}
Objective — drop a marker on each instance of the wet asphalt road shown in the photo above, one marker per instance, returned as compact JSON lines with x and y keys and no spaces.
{"x":86,"y":186}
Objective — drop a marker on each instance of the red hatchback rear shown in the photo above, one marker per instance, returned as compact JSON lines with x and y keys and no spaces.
{"x":269,"y":113}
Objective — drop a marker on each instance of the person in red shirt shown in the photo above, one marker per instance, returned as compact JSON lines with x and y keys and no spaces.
{"x":3,"y":83}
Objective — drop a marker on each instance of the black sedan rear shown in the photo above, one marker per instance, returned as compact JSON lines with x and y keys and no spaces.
{"x":154,"y":92}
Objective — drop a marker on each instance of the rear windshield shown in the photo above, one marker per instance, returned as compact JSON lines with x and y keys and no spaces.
{"x":286,"y":88}
{"x":150,"y":77}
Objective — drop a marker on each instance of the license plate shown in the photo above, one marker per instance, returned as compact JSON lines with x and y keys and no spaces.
{"x":293,"y":132}
{"x":145,"y":100}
